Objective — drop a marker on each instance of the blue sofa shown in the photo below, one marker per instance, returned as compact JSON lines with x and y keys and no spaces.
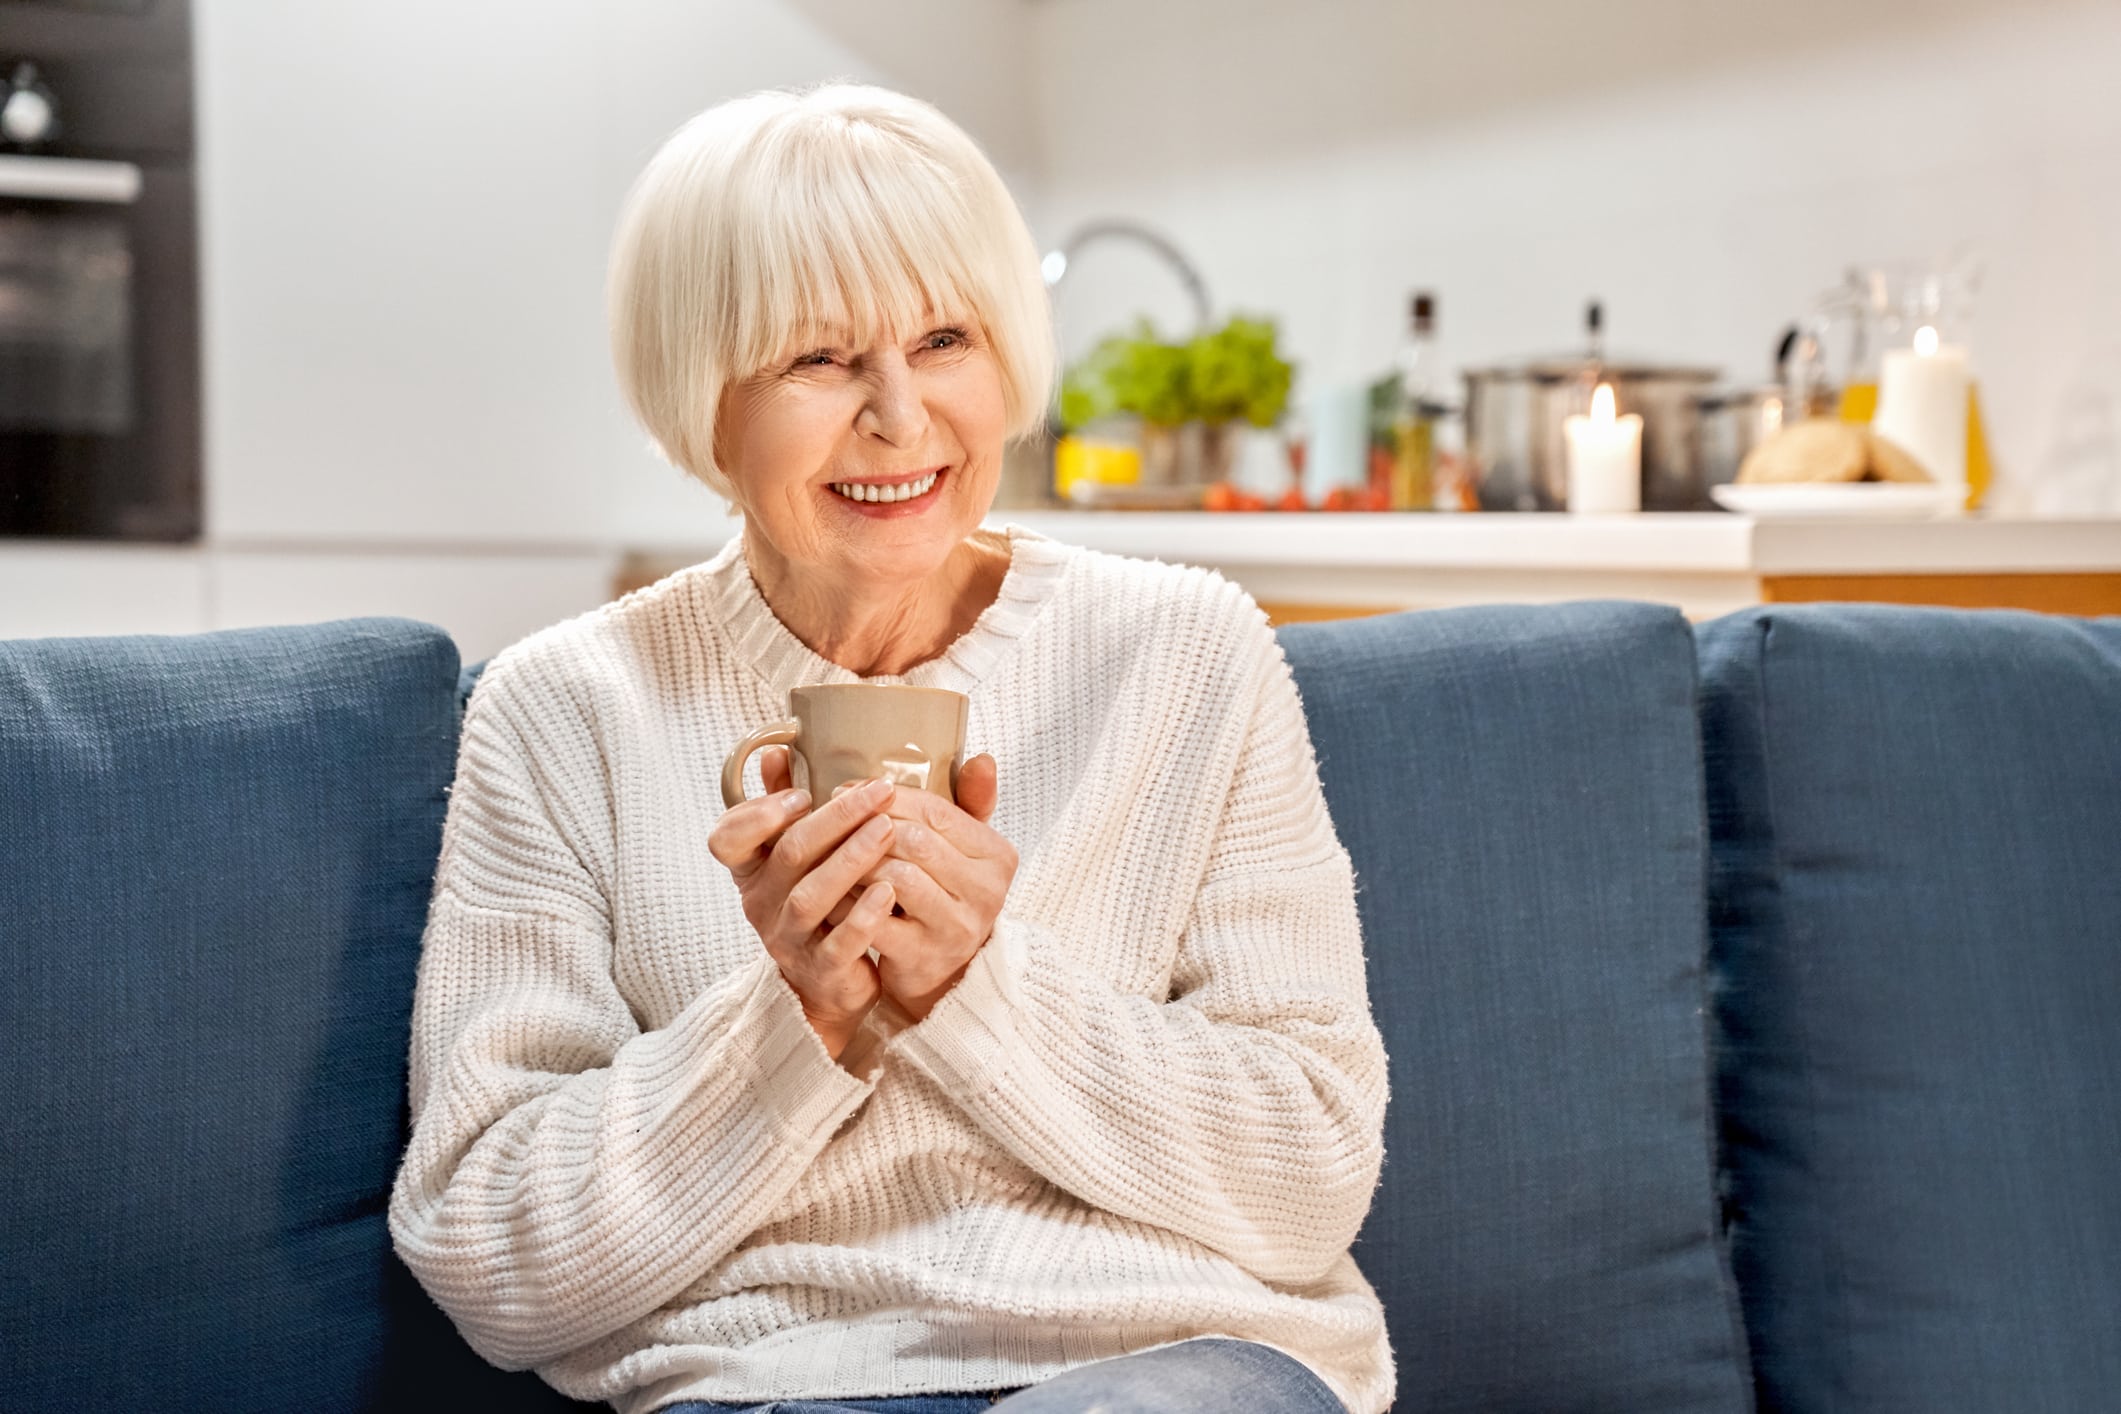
{"x":1753,"y":992}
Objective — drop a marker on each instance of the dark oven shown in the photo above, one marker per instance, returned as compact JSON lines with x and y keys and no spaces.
{"x":99,"y":308}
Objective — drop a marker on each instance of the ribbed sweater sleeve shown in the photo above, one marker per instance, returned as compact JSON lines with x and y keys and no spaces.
{"x":1245,"y":1112}
{"x":569,"y":1173}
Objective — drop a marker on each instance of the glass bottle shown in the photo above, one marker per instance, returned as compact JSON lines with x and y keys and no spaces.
{"x":1413,"y":476}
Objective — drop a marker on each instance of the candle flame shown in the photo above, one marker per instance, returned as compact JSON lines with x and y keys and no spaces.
{"x":1602,"y":404}
{"x":1925,"y":341}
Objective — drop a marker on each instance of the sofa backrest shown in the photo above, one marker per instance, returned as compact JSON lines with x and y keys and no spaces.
{"x":1520,"y":790}
{"x":1916,"y":965}
{"x":215,"y":856}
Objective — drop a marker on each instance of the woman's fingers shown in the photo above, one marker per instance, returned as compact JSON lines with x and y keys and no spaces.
{"x":920,"y":846}
{"x":923,"y":899}
{"x":808,"y":840}
{"x":950,"y":871}
{"x":975,"y":879}
{"x":856,"y":933}
{"x":977,"y":787}
{"x":952,"y":824}
{"x":774,"y":769}
{"x":741,"y":838}
{"x":813,"y":895}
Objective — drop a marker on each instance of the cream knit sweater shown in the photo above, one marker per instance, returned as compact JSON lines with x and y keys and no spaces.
{"x":1151,"y":1110}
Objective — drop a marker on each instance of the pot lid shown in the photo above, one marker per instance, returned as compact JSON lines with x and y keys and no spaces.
{"x":1556,"y":368}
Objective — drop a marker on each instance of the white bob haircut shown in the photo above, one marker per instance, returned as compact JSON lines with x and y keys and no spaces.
{"x":774,"y":221}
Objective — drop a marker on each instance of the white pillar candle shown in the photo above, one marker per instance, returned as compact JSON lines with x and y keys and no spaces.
{"x":1922,"y":407}
{"x":1605,"y":457}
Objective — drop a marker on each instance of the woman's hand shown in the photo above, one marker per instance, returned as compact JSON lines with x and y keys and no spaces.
{"x":793,"y":870}
{"x":950,"y":872}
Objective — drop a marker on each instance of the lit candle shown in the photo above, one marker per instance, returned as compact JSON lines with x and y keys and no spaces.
{"x":1922,"y":395}
{"x":1605,"y":457}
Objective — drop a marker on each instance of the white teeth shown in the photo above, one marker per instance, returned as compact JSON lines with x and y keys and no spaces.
{"x":855,"y":491}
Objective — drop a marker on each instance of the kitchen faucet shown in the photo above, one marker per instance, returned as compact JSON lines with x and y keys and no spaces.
{"x":1055,"y":264}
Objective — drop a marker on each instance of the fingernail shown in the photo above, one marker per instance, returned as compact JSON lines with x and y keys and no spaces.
{"x":878,"y":827}
{"x":878,"y":791}
{"x":794,"y":801}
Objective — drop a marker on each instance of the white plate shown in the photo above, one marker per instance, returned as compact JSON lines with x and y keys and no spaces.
{"x":1890,"y":500}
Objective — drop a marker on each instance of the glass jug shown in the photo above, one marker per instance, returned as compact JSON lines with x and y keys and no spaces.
{"x":1877,"y":308}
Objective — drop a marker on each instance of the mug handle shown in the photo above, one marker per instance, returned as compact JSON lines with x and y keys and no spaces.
{"x":779,"y":734}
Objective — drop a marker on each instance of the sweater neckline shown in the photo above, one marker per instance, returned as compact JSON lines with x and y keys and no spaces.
{"x":762,"y":641}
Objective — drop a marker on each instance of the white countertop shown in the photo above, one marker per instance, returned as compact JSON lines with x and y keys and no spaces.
{"x":489,"y":594}
{"x":1714,"y":542}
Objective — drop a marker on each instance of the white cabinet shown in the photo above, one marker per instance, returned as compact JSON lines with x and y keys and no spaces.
{"x":49,"y":591}
{"x":486,"y":601}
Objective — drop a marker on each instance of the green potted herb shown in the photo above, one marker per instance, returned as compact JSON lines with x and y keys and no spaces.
{"x":1189,"y":396}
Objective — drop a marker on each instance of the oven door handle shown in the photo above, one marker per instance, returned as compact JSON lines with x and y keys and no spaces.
{"x":69,"y":179}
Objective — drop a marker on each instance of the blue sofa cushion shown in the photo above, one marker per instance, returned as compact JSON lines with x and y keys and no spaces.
{"x":1917,"y":970}
{"x":215,"y":857}
{"x":1520,"y":789}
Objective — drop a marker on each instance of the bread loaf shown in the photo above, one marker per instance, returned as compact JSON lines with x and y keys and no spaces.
{"x":1826,"y":449}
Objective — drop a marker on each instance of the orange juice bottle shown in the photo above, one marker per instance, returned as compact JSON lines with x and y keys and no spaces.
{"x":1978,"y":470}
{"x":1859,"y":402}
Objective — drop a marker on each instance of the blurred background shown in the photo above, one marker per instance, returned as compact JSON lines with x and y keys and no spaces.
{"x":402,"y":211}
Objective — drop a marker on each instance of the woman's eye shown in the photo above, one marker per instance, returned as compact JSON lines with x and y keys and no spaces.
{"x":815,"y":360}
{"x":952,"y":338}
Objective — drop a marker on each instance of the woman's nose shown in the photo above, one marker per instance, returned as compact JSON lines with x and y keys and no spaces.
{"x":893,"y":411}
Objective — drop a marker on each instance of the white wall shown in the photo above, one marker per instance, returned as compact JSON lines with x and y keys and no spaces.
{"x":405,"y":209}
{"x":1706,"y":169}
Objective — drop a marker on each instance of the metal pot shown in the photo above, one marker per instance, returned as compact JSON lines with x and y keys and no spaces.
{"x":1516,"y":447}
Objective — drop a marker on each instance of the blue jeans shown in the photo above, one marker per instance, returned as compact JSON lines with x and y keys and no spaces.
{"x":1211,"y":1374}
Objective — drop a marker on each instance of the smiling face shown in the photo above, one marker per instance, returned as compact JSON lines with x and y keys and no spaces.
{"x":867,"y":467}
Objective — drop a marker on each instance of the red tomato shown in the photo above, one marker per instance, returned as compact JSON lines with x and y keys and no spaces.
{"x":1222,"y":496}
{"x":1380,"y":479}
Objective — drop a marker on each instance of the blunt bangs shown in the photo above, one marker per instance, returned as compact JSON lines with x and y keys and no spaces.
{"x":839,"y":260}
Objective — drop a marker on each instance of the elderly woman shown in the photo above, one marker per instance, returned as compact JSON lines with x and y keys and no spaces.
{"x":1065,"y":1095}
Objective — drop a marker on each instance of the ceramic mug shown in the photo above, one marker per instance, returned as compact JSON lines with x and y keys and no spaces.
{"x":838,"y":733}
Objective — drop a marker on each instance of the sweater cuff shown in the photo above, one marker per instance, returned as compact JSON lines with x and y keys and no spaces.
{"x":970,"y":1037}
{"x":798,"y":1082}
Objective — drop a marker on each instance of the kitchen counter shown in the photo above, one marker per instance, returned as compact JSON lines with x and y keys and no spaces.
{"x":1317,"y":565}
{"x":1711,"y":541}
{"x":1326,"y":564}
